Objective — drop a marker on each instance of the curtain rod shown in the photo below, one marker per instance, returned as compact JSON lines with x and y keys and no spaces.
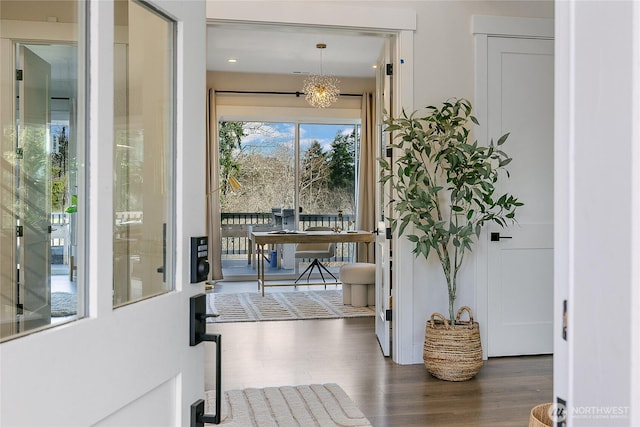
{"x":297,"y":94}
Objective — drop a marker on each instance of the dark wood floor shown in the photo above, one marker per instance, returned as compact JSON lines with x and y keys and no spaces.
{"x":345,"y":351}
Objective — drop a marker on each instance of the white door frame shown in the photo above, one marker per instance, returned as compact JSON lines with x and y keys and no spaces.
{"x":484,"y":27}
{"x":398,"y":21}
{"x":597,"y":66}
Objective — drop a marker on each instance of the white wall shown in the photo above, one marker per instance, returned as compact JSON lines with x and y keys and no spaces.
{"x":444,"y":68}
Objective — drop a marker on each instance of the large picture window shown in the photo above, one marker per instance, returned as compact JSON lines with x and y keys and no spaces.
{"x":290,"y":176}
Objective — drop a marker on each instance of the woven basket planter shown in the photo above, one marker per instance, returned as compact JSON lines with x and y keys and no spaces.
{"x":541,"y":416}
{"x":452,"y":352}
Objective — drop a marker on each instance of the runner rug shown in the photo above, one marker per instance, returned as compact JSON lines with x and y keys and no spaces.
{"x":253,"y":307}
{"x":325,"y":405}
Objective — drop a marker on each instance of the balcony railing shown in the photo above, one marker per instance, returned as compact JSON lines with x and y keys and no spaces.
{"x":235,"y":230}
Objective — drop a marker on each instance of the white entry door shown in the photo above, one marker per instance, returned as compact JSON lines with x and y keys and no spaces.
{"x":125,"y":361}
{"x":520,"y":257}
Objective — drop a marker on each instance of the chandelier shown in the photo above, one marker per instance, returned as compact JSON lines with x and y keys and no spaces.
{"x":321,"y":91}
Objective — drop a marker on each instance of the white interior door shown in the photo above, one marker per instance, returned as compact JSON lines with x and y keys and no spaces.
{"x":520,"y":263}
{"x":132,"y":365}
{"x":383,"y":262}
{"x":33,"y":191}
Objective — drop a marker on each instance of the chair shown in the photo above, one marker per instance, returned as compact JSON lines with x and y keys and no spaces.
{"x":316,"y":251}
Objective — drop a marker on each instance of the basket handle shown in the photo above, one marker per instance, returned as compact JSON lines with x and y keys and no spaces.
{"x":461,"y":311}
{"x":433,"y":320}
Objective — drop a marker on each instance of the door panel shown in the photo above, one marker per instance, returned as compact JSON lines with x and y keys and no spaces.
{"x":130,"y":365}
{"x":520,"y":269}
{"x":33,"y":189}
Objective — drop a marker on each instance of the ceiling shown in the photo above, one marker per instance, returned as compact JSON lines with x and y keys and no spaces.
{"x":292,"y":50}
{"x":257,"y":49}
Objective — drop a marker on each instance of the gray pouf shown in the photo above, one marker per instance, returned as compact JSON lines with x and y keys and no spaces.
{"x":358,"y":284}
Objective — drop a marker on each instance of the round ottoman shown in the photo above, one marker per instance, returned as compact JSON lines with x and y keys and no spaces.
{"x":358,"y":284}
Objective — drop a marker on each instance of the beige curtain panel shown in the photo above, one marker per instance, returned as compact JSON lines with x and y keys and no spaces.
{"x":367,"y":177}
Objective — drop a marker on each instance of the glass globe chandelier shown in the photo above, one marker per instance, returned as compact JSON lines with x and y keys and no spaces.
{"x":321,"y":91}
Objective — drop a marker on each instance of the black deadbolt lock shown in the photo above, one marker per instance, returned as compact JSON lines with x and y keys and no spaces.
{"x":199,"y":259}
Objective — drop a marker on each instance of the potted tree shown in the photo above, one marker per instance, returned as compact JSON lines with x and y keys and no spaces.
{"x":444,"y":193}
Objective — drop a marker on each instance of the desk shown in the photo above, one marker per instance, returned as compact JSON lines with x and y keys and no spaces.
{"x":267,"y":238}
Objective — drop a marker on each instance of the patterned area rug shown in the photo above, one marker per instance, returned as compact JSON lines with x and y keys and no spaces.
{"x":63,"y":304}
{"x":325,"y":405}
{"x":253,"y":307}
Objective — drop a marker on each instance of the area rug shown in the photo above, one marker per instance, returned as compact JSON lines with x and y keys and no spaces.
{"x":324,"y":405}
{"x":63,"y":304}
{"x":253,"y":307}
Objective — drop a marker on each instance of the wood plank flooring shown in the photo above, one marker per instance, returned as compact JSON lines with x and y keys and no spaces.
{"x":345,"y":351}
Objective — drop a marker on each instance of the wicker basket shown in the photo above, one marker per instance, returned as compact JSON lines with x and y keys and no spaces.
{"x":452,"y":352}
{"x":540,"y":416}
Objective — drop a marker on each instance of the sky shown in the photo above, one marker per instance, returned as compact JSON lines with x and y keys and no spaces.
{"x":265,"y":134}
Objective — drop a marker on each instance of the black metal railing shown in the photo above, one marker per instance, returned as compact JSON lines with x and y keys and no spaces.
{"x":235,"y":230}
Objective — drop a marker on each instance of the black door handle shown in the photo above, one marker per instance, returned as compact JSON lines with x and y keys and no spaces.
{"x":495,"y":237}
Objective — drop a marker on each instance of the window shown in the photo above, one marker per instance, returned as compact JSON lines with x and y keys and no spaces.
{"x":144,"y":148}
{"x":292,"y":176}
{"x":42,"y":122}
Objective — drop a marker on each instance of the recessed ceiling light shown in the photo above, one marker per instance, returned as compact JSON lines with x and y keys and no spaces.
{"x":232,"y":60}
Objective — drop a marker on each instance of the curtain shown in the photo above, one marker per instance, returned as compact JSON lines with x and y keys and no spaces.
{"x":367,"y":177}
{"x":213,"y":201}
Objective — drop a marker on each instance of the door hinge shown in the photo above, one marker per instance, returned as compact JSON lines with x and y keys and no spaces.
{"x":564,"y":320}
{"x":388,"y":315}
{"x":389,"y":235}
{"x":389,"y":70}
{"x":19,"y":153}
{"x":49,"y":229}
{"x":389,"y":152}
{"x":19,"y":231}
{"x":20,"y":309}
{"x":19,"y":75}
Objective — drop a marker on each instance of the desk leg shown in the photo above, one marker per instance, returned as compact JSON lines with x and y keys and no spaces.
{"x":261,"y":262}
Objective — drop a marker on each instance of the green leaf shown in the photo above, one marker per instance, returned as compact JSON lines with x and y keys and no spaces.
{"x":503,"y":139}
{"x":504,"y":162}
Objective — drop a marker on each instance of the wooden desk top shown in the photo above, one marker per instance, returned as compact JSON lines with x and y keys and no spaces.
{"x":265,"y":237}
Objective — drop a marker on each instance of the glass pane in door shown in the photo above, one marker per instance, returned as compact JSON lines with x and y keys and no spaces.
{"x":41,"y":121}
{"x":257,"y":184}
{"x":327,"y":175}
{"x":143,"y":152}
{"x":327,"y":183}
